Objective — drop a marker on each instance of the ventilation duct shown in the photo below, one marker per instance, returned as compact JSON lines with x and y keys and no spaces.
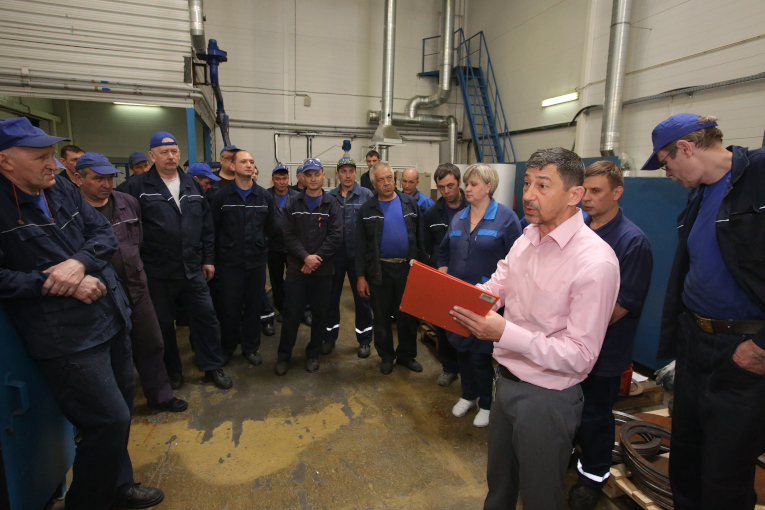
{"x":386,"y":134}
{"x":197,"y":25}
{"x":617,"y":51}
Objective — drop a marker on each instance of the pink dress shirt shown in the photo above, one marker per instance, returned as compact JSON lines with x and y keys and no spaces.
{"x":559,"y":293}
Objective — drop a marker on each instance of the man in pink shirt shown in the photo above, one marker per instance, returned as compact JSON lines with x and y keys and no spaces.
{"x":558,"y":285}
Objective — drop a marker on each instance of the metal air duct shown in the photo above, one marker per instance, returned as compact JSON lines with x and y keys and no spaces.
{"x":386,"y":134}
{"x":197,"y":25}
{"x":617,"y":50}
{"x":445,"y":68}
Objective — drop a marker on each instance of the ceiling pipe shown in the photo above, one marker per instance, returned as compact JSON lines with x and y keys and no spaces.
{"x":427,"y":121}
{"x":36,"y":75}
{"x":386,"y":134}
{"x":191,"y":94}
{"x":445,"y":68}
{"x":197,"y":25}
{"x":617,"y":51}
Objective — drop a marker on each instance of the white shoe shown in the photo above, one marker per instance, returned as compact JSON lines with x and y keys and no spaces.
{"x":482,"y":418}
{"x":461,"y":408}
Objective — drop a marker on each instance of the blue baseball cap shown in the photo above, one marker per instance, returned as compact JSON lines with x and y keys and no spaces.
{"x":203,"y":170}
{"x":675,"y":127}
{"x":279,"y":168}
{"x":299,"y":169}
{"x":96,"y":162}
{"x":346,"y":160}
{"x":229,"y":148}
{"x":310,"y":164}
{"x":137,"y":157}
{"x":156,"y":139}
{"x":19,"y":132}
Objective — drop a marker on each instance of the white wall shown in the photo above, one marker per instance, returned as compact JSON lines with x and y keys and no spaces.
{"x":331,"y":50}
{"x":548,"y":47}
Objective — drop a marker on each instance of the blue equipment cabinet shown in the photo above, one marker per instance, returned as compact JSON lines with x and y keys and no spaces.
{"x":653,"y":204}
{"x":36,"y":441}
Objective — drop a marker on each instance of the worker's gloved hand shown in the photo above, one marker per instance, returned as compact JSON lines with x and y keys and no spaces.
{"x":666,"y":376}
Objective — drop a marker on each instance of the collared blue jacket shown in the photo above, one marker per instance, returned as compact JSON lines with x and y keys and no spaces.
{"x":436,"y":226}
{"x":242,"y":229}
{"x":176,"y":243}
{"x":740,"y":230}
{"x":351,"y":204}
{"x":423,"y":201}
{"x":311,"y":233}
{"x":473,"y":256}
{"x":276,"y":241}
{"x":53,"y":326}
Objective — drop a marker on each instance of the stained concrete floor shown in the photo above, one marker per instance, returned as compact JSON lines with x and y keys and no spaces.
{"x":345,"y":437}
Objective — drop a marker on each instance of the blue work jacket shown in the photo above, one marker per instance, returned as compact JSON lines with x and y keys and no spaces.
{"x":176,"y":242}
{"x":242,"y":228}
{"x":30,"y":243}
{"x":473,"y":256}
{"x":351,"y":204}
{"x":423,"y":201}
{"x":276,"y":241}
{"x":311,"y":233}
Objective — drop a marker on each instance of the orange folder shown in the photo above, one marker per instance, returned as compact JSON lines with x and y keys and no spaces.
{"x":430,"y":295}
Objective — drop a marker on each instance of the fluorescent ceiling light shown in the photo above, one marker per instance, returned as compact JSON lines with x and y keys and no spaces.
{"x":561,"y":99}
{"x":135,"y":104}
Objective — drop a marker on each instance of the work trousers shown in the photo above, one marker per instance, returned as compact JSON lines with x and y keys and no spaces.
{"x":531,"y":432}
{"x":345,"y":265}
{"x":477,"y":375}
{"x":299,"y":289}
{"x":386,"y":299}
{"x":447,"y":354}
{"x":148,"y":351}
{"x":194,"y":294}
{"x":717,"y":423}
{"x":596,"y":432}
{"x":94,"y":389}
{"x":277,"y":262}
{"x":241,"y":300}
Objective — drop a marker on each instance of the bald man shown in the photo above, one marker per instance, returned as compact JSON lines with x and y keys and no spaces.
{"x":409,"y":181}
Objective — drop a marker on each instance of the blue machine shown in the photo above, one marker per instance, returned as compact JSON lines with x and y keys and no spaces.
{"x":36,"y":441}
{"x":214,"y":56}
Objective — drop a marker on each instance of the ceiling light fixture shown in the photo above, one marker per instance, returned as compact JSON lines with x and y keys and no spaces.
{"x":561,"y":99}
{"x":135,"y":104}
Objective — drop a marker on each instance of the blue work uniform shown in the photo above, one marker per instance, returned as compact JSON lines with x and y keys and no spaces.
{"x":423,"y":201}
{"x":601,"y":388}
{"x":242,"y":228}
{"x":472,"y":257}
{"x":345,"y":264}
{"x":83,"y":350}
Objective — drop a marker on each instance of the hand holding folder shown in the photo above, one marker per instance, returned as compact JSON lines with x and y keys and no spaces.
{"x":430,"y":295}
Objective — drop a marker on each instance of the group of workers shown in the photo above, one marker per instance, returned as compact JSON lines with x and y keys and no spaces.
{"x":92,"y":278}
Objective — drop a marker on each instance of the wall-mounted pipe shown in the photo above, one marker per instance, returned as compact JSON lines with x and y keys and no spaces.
{"x":276,"y":148}
{"x":55,"y":77}
{"x":445,"y":68}
{"x":452,"y":120}
{"x":617,"y":52}
{"x":427,"y":121}
{"x":389,"y":58}
{"x":192,"y":94}
{"x":197,"y":25}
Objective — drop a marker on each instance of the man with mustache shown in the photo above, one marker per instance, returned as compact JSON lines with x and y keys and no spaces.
{"x":558,"y":285}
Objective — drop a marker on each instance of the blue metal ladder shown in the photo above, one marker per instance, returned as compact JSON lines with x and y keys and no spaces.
{"x":480,"y":95}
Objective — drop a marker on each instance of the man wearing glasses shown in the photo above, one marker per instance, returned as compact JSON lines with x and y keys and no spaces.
{"x":178,"y":255}
{"x":714,"y":313}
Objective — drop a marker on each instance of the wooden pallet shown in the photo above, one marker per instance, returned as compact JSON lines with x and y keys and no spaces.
{"x":618,"y":485}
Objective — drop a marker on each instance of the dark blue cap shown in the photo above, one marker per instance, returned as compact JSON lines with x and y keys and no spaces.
{"x":19,"y":132}
{"x":674,"y":128}
{"x":202,"y":170}
{"x":229,"y":148}
{"x":137,"y":157}
{"x":96,"y":162}
{"x":156,"y":139}
{"x":279,"y":168}
{"x":310,"y":164}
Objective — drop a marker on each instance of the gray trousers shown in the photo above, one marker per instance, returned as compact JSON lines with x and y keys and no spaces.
{"x":531,"y":433}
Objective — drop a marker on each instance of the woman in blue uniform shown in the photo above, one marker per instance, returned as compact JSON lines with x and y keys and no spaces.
{"x":476,"y":240}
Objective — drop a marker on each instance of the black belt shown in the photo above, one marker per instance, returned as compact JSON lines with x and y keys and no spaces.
{"x":508,"y":374}
{"x":725,"y":326}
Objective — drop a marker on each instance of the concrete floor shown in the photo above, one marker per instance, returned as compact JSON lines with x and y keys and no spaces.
{"x":345,"y":437}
